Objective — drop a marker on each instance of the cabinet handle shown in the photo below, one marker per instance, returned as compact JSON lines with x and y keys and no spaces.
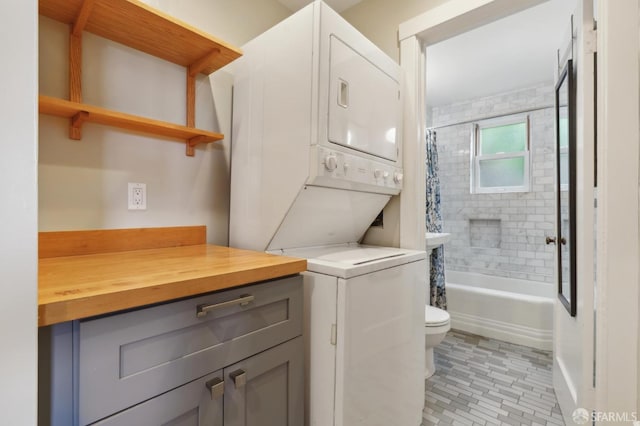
{"x":216,"y":387}
{"x":239,"y":378}
{"x":243,"y":300}
{"x":550,"y":240}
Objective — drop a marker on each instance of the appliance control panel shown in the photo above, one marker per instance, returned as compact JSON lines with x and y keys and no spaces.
{"x":337,"y":169}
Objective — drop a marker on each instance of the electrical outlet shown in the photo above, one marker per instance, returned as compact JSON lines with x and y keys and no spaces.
{"x":137,"y":195}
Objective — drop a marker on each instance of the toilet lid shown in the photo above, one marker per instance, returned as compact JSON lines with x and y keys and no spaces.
{"x":435,"y":317}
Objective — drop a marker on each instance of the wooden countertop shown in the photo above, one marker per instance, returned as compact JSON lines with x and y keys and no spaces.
{"x":80,"y":286}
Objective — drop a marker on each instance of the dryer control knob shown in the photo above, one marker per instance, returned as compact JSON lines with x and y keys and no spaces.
{"x":331,"y":162}
{"x":346,"y":167}
{"x":385,"y":175}
{"x":377,"y":173}
{"x":397,"y":177}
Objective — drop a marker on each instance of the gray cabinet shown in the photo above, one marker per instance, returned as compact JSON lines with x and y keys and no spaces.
{"x":262,"y":390}
{"x":266,"y":389}
{"x":158,"y":365}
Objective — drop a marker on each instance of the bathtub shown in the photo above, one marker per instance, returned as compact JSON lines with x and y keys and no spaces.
{"x":513,"y":310}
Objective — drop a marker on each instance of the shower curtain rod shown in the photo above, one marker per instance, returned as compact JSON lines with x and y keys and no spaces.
{"x":522,"y":111}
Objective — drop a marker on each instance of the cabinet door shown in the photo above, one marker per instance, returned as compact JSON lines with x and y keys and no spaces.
{"x":266,"y":389}
{"x":194,"y":404}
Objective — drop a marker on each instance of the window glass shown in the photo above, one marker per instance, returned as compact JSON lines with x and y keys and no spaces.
{"x":563,"y":128}
{"x":502,"y":172}
{"x":564,"y":168}
{"x":502,"y":139}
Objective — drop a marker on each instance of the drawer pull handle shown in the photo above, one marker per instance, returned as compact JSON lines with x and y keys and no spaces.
{"x":243,"y":300}
{"x":216,"y":387}
{"x":239,"y":378}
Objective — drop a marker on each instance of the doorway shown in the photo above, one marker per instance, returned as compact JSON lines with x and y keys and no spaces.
{"x":616,"y":22}
{"x":490,"y":101}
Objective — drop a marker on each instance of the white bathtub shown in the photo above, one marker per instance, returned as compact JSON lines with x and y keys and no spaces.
{"x":516,"y":311}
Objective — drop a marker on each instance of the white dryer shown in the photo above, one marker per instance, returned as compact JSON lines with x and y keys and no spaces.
{"x":316,"y":131}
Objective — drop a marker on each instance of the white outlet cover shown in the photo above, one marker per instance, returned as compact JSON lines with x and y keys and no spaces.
{"x":137,"y":196}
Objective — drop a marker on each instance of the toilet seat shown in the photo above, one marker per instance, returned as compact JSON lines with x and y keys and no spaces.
{"x":434,"y":317}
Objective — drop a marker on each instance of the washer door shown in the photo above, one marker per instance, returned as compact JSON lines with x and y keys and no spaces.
{"x":364,"y":103}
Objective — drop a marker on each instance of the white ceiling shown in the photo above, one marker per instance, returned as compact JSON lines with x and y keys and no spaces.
{"x":337,"y":5}
{"x":515,"y":52}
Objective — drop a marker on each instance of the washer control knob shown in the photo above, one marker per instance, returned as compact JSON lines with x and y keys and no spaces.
{"x":346,"y":168}
{"x":385,"y":175}
{"x":377,"y":173}
{"x":331,"y":162}
{"x":397,"y":177}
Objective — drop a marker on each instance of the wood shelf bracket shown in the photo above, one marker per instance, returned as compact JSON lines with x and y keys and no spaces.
{"x":195,"y":141}
{"x":75,"y":127}
{"x":192,"y":71}
{"x":191,"y":100}
{"x":75,"y":67}
{"x":83,"y":17}
{"x":199,"y":65}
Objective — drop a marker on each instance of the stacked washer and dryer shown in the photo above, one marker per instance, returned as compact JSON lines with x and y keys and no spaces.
{"x":316,"y":155}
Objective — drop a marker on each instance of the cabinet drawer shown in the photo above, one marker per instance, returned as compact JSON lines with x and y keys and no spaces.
{"x":128,"y":358}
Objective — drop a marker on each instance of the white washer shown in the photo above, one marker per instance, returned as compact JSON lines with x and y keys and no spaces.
{"x":364,"y":329}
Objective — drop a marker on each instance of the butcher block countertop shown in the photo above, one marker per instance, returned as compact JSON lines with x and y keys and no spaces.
{"x":87,"y":273}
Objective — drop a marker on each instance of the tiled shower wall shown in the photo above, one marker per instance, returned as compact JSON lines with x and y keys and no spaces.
{"x":498,"y":234}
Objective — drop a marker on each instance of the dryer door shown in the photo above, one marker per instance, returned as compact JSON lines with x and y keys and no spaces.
{"x":364,"y":103}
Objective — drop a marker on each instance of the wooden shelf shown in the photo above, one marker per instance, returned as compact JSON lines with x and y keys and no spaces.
{"x":144,"y":28}
{"x":90,"y":274}
{"x":87,"y":113}
{"x":134,"y":24}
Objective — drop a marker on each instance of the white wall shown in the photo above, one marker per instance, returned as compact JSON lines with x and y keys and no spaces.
{"x":18,"y":212}
{"x":83,"y":184}
{"x":499,"y":234}
{"x":379,"y":20}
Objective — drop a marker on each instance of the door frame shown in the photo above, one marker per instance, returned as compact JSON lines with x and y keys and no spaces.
{"x":618,"y":295}
{"x":618,"y":120}
{"x":442,"y":22}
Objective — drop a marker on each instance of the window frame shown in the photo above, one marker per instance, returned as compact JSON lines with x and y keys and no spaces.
{"x":476,"y":157}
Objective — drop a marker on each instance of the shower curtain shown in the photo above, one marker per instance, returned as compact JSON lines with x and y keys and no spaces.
{"x":438,"y":294}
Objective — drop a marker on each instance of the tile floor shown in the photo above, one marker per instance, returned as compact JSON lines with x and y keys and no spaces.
{"x":480,"y":381}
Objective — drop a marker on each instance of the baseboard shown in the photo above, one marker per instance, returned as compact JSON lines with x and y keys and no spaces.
{"x":512,"y":333}
{"x":565,"y":391}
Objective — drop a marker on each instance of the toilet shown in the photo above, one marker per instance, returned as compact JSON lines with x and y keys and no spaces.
{"x":436,"y":324}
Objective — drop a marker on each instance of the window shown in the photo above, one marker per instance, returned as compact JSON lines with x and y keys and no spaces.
{"x":500,"y":155}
